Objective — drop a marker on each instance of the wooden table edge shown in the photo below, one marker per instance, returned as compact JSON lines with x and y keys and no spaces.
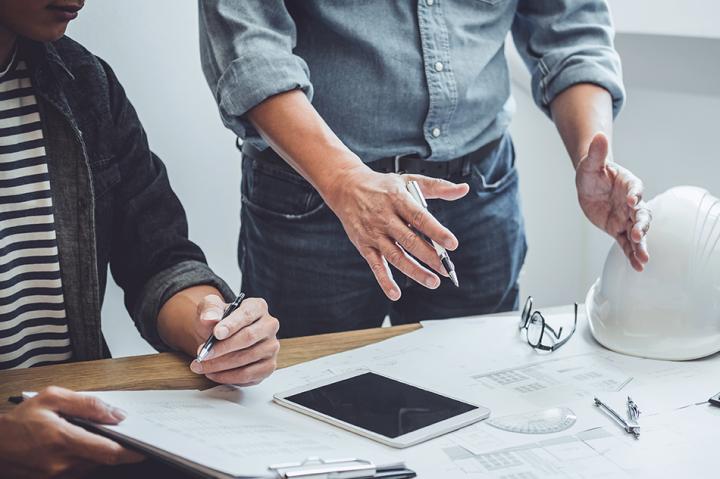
{"x":170,"y":370}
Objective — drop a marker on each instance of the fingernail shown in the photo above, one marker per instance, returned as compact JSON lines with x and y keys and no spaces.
{"x":394,"y":294}
{"x":221,"y":332}
{"x":210,"y":315}
{"x":450,"y":244}
{"x":118,"y":414}
{"x":196,"y":367}
{"x":432,"y":283}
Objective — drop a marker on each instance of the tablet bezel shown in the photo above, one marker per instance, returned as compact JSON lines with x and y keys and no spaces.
{"x":410,"y":439}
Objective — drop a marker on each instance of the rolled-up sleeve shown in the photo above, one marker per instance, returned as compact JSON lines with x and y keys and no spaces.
{"x":566,"y":42}
{"x":162,"y":286}
{"x":246,"y":49}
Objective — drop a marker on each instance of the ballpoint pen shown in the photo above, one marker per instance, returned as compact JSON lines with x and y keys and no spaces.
{"x":205,"y":350}
{"x":631,"y":426}
{"x":415,"y":192}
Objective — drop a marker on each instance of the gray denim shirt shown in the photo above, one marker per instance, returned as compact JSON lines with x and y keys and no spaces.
{"x":112,"y":202}
{"x":405,"y":76}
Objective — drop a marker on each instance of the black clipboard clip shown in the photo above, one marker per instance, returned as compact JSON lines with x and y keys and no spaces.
{"x":317,"y":468}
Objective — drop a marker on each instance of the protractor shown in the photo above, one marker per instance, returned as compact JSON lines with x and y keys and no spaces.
{"x":545,"y":421}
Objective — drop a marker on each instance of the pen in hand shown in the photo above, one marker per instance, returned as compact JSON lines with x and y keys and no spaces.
{"x":442,"y":253}
{"x":231,"y":308}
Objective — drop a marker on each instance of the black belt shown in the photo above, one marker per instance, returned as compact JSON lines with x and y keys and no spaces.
{"x":401,"y":164}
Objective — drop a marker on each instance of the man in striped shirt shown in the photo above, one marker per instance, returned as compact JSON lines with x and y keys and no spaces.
{"x":80,"y":190}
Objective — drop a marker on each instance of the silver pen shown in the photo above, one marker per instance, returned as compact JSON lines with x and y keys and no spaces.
{"x":211,"y":340}
{"x":630,"y":426}
{"x":414,"y":189}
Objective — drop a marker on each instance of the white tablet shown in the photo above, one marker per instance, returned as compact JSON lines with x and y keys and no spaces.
{"x":381,"y":408}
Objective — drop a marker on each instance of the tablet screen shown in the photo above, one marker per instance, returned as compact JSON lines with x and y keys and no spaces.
{"x":381,"y":405}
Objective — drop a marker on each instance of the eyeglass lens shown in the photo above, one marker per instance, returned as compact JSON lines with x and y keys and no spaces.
{"x":525,"y":316}
{"x":535,"y":329}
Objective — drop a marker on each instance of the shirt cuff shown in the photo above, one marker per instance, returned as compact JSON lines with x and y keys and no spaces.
{"x":251,"y":79}
{"x":578,"y":69}
{"x":163,"y":286}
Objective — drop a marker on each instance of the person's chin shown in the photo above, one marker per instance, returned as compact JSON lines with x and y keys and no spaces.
{"x":51,"y":33}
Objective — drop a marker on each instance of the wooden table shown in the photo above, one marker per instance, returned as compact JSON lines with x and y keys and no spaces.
{"x":170,"y":370}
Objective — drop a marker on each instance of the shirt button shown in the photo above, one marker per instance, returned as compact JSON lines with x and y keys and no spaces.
{"x":439,"y":66}
{"x":435,"y":132}
{"x":429,"y":2}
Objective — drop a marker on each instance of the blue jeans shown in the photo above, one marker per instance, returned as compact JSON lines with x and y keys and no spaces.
{"x":294,"y":252}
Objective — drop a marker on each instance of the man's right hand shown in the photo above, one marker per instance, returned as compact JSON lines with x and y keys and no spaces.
{"x":35,"y":441}
{"x":380,"y":217}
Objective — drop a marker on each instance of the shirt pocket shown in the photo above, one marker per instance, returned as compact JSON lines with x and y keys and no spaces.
{"x":276,"y":192}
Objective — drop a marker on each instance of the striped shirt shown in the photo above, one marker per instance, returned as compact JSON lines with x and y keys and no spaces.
{"x":33,"y":326}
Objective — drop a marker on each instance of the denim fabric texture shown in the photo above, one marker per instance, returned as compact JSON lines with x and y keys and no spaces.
{"x":294,"y":252}
{"x":405,"y":76}
{"x":112,"y":201}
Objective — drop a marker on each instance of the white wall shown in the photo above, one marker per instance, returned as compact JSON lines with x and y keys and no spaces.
{"x":153,"y":48}
{"x":667,"y":135}
{"x":694,"y":18}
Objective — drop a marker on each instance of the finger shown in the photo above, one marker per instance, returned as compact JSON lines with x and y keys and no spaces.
{"x":407,"y":265}
{"x":249,"y":311}
{"x":641,"y":251}
{"x":627,"y":248}
{"x":598,"y":152}
{"x":635,"y":191}
{"x":383,"y":275}
{"x":245,"y":376}
{"x":421,"y":220}
{"x":433,"y":188}
{"x":71,"y":403}
{"x":241,"y":358}
{"x":415,"y":245}
{"x":97,"y":449}
{"x":265,"y":328}
{"x":642,"y":218}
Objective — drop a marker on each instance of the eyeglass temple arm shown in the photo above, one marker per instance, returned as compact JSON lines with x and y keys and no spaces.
{"x":566,"y":338}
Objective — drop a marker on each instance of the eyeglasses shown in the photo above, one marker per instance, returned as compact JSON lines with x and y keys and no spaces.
{"x":533,"y":322}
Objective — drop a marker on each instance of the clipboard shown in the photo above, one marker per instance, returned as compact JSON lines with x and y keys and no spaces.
{"x":310,"y":468}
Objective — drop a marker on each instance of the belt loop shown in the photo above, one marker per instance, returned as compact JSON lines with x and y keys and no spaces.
{"x":466,"y":165}
{"x":396,"y":164}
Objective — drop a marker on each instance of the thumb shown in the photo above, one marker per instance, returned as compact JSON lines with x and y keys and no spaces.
{"x":598,"y":152}
{"x":433,"y":188}
{"x":211,"y":309}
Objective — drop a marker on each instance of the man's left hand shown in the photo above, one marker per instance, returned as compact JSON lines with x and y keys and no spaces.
{"x":611,"y":198}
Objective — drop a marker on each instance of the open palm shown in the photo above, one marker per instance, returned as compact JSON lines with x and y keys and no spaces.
{"x":611,"y":198}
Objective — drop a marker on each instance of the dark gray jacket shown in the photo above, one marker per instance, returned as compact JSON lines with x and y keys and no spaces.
{"x":112,"y":201}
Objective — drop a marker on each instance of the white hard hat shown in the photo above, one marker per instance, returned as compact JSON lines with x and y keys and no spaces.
{"x":672,"y":309}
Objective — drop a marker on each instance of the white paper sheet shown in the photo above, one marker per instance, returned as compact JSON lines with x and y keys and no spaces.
{"x":458,"y":357}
